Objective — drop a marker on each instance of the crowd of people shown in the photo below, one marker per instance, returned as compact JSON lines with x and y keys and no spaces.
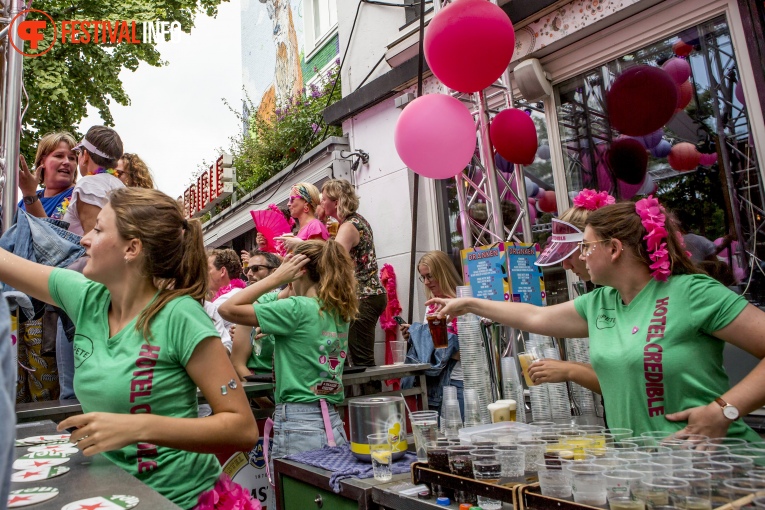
{"x":139,"y":288}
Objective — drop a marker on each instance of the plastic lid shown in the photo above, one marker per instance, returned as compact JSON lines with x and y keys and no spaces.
{"x":443,"y":502}
{"x":423,"y":495}
{"x":465,"y":506}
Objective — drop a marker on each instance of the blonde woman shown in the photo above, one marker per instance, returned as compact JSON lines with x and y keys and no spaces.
{"x":339,"y":200}
{"x":55,"y":169}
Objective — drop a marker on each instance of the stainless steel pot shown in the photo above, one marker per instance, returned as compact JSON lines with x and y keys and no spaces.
{"x":375,"y":415}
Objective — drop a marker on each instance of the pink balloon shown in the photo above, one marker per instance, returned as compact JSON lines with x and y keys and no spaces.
{"x":684,"y":94}
{"x":679,"y":69}
{"x":514,"y":135}
{"x":532,"y":209}
{"x":708,"y":159}
{"x":548,"y":202}
{"x":456,"y":43}
{"x":605,"y":181}
{"x":435,"y":136}
{"x":684,"y":157}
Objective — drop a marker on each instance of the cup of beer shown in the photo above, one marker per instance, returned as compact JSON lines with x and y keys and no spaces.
{"x":526,"y":359}
{"x":438,"y":332}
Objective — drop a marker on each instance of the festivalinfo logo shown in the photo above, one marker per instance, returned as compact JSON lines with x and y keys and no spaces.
{"x":40,"y":32}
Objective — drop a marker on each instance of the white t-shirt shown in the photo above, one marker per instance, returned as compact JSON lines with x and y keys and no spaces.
{"x":93,"y":190}
{"x":222,"y":299}
{"x":220,"y":325}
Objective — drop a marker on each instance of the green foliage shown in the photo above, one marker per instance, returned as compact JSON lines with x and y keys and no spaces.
{"x":295,"y":127}
{"x":697,"y":198}
{"x":61,"y":83}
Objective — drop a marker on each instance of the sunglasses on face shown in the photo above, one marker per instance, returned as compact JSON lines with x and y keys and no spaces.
{"x":293,"y":198}
{"x":257,"y":267}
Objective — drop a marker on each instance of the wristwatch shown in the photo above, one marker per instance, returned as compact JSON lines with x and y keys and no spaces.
{"x":729,"y":411}
{"x":31,"y":199}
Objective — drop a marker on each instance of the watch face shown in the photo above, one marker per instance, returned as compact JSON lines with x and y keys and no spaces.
{"x":730,"y":412}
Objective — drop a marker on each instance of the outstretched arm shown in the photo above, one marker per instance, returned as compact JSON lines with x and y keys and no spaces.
{"x":561,"y":321}
{"x":556,"y":371}
{"x":211,"y":370}
{"x":28,"y":277}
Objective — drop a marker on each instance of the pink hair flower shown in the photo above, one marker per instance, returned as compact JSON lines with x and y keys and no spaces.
{"x":592,"y":200}
{"x":654,"y":220}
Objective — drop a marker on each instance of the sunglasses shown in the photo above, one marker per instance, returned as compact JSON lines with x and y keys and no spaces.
{"x":257,"y":267}
{"x":293,"y":198}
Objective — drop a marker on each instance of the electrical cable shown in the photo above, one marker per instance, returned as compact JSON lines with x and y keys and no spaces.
{"x":369,"y":73}
{"x":326,"y":127}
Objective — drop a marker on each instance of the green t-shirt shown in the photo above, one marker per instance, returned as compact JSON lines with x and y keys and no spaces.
{"x":128,"y":375}
{"x":310,"y":347}
{"x":657,"y":356}
{"x":262,"y":356}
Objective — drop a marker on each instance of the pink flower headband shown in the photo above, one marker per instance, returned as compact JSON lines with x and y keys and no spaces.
{"x":653,"y":219}
{"x":591,"y":200}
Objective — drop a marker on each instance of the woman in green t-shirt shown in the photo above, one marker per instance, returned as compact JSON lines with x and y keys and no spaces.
{"x":656,"y":327}
{"x":143,"y":344}
{"x":310,"y":332}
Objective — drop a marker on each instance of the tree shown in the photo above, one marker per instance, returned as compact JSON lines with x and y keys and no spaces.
{"x":61,"y":83}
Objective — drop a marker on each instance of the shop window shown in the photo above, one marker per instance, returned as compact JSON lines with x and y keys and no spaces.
{"x":722,"y":195}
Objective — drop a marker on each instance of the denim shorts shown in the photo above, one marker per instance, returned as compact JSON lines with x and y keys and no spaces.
{"x":300,"y":427}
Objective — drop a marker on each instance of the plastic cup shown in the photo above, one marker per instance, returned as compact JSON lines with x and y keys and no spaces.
{"x":526,"y":359}
{"x":425,"y":431}
{"x":759,"y":502}
{"x":553,"y":479}
{"x":701,"y":481}
{"x":381,"y":452}
{"x":512,"y":459}
{"x":740,"y":463}
{"x":720,"y":472}
{"x":693,"y":455}
{"x":534,"y":450}
{"x":438,"y":331}
{"x":672,"y":463}
{"x":642,"y":440}
{"x":460,"y":460}
{"x":633,"y":456}
{"x":621,"y":482}
{"x":398,"y":352}
{"x":487,"y":467}
{"x":620,"y":434}
{"x":625,"y":503}
{"x":737,"y":488}
{"x":588,"y":484}
{"x":662,"y":490}
{"x":438,"y":456}
{"x":655,"y":451}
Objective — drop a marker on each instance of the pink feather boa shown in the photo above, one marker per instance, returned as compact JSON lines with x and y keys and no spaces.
{"x":227,"y":495}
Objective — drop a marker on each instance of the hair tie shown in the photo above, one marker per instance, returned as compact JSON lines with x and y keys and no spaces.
{"x":185,"y":224}
{"x":653,"y":219}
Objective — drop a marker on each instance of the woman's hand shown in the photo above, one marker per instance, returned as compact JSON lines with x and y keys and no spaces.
{"x":549,"y":371}
{"x":404,"y":328}
{"x":706,"y":420}
{"x":260,"y":240}
{"x":27,"y":180}
{"x":290,"y":270}
{"x":102,"y":432}
{"x":289,"y":242}
{"x":449,"y":307}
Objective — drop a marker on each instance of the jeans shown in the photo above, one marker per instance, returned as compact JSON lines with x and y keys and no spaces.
{"x":42,"y":241}
{"x":460,"y":395}
{"x":65,"y":362}
{"x":361,"y":334}
{"x":7,"y":401}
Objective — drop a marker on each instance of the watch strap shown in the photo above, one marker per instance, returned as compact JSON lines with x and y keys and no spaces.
{"x":721,"y":402}
{"x":31,"y":199}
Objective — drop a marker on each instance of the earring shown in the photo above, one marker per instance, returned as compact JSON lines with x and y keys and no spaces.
{"x":126,"y":260}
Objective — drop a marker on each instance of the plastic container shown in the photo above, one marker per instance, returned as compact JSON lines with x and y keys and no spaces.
{"x":509,"y":427}
{"x":443,"y":502}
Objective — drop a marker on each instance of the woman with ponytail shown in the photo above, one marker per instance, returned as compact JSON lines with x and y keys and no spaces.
{"x":143,"y":344}
{"x":657,"y":327}
{"x":310,"y":331}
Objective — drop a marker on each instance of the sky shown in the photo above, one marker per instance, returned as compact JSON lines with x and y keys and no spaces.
{"x":177,"y":119}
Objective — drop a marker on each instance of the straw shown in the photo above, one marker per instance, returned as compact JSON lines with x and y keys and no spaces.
{"x":409,"y":411}
{"x":733,"y":505}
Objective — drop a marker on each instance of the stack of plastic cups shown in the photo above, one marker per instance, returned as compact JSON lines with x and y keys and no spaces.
{"x":513,"y":389}
{"x":472,"y":416}
{"x":558,"y":392}
{"x":578,"y":350}
{"x":541,"y":409}
{"x":451,"y":420}
{"x":473,"y":358}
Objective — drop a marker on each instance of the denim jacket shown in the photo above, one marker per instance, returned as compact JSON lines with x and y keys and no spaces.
{"x":422,"y":351}
{"x":41,"y":240}
{"x":7,"y":400}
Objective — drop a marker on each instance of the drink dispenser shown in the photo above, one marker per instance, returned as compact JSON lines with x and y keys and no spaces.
{"x":373,"y":415}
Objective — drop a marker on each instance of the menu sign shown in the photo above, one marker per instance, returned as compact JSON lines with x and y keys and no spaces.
{"x":485,"y":270}
{"x":526,"y":282}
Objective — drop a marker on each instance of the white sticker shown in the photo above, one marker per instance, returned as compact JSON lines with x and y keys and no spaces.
{"x":33,"y":475}
{"x":26,"y":497}
{"x":64,"y":449}
{"x":38,"y":463}
{"x":101,"y":503}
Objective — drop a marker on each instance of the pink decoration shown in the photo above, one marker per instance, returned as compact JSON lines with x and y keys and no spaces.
{"x":679,"y":69}
{"x":531,"y":207}
{"x":227,"y":495}
{"x":652,"y":216}
{"x":684,"y":157}
{"x":592,"y":200}
{"x":436,"y":153}
{"x":604,"y":179}
{"x":684,"y":95}
{"x":641,"y":100}
{"x":514,"y":135}
{"x":628,"y":160}
{"x":682,"y":49}
{"x":708,"y":159}
{"x":548,"y":203}
{"x":456,"y":43}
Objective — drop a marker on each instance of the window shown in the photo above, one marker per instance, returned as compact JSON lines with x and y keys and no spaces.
{"x":321,"y":18}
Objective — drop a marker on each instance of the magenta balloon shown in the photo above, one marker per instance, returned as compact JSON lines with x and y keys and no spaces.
{"x":514,"y":135}
{"x":469,"y":44}
{"x":678,"y":68}
{"x":435,"y":136}
{"x":641,"y":100}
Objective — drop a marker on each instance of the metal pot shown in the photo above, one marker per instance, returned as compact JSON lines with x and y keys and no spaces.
{"x":375,"y":415}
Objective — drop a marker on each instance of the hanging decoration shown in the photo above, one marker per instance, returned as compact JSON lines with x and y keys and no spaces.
{"x":681,"y":49}
{"x":641,"y":100}
{"x":662,"y":149}
{"x":436,"y":153}
{"x":678,"y":68}
{"x":628,"y":160}
{"x":514,"y":136}
{"x":684,"y":95}
{"x":456,"y":43}
{"x":684,"y":157}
